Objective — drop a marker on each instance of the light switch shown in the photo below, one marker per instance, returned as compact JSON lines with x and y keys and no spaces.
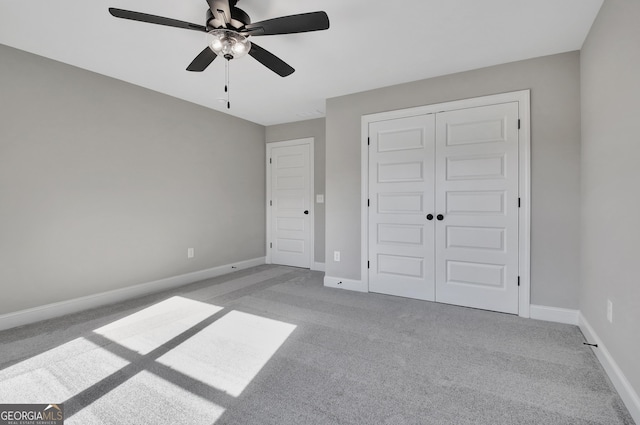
{"x":320,"y":199}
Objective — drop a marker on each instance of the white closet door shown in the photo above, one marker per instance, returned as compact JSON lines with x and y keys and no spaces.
{"x":290,"y":193}
{"x":477,"y":196}
{"x":401,"y":172}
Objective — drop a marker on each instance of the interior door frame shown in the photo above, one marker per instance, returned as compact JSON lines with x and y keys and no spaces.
{"x":295,"y":142}
{"x":524,"y":179}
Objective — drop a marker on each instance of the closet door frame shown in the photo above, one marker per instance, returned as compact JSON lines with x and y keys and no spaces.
{"x":524,"y":179}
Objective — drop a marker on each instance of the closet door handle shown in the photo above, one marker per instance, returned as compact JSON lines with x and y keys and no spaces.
{"x":306,"y":211}
{"x":429,"y":217}
{"x":440,"y":217}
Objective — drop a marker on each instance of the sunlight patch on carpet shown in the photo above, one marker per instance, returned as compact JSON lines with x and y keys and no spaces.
{"x":146,"y":399}
{"x":59,"y":373}
{"x":148,"y":329}
{"x":229,"y":353}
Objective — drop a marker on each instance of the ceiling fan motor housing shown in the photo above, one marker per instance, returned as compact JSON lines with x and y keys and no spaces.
{"x":239,"y":19}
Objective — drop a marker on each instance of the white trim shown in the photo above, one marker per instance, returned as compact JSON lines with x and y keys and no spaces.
{"x":554,"y":314}
{"x":318,"y":267}
{"x":49,"y":311}
{"x":349,"y":284}
{"x":364,"y":200}
{"x":524,"y":219}
{"x":312,"y":216}
{"x":620,"y":382}
{"x":524,"y":140}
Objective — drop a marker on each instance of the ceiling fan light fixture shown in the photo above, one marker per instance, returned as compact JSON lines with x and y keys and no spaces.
{"x":228,"y":44}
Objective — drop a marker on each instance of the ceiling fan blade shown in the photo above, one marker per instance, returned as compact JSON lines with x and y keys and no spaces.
{"x":304,"y":22}
{"x":153,"y":19}
{"x":270,"y":60}
{"x":202,"y":61}
{"x":221,"y":10}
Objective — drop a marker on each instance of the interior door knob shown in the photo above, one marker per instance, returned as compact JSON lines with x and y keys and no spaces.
{"x":440,"y":217}
{"x":429,"y":217}
{"x":306,"y":211}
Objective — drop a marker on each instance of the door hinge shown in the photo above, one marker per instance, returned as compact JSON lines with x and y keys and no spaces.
{"x":368,"y":202}
{"x":270,"y":203}
{"x":518,"y":280}
{"x":368,"y":264}
{"x":368,"y":141}
{"x":270,"y":244}
{"x":269,"y":160}
{"x":518,"y":124}
{"x":518,"y":202}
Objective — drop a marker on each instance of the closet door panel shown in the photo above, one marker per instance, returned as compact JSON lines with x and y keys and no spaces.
{"x":401,"y":177}
{"x":476,"y":192}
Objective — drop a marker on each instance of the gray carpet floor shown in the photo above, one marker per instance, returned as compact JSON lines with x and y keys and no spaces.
{"x":271,"y":345}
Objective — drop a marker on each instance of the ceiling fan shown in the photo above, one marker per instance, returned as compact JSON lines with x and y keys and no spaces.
{"x":229,"y":29}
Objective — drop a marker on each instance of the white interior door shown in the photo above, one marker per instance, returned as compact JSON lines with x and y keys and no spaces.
{"x":290,"y":204}
{"x":477,"y":207}
{"x":401,"y":172}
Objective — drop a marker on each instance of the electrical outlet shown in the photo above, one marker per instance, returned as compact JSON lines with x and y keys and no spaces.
{"x":191,"y":253}
{"x":609,"y":311}
{"x":336,"y":256}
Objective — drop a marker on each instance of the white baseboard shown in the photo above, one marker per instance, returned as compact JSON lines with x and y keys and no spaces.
{"x":49,"y":311}
{"x":349,"y":284}
{"x":623,"y":386}
{"x":318,"y":267}
{"x":554,"y":314}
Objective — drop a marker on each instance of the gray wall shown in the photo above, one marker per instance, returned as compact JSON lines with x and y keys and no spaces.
{"x":104,"y":184}
{"x":555,"y":104}
{"x":610,"y":66}
{"x":300,"y":130}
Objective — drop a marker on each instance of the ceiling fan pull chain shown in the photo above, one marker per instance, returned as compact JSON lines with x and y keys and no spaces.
{"x":226,"y":85}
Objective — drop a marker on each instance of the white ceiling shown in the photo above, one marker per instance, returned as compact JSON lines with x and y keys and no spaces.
{"x":370,"y":44}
